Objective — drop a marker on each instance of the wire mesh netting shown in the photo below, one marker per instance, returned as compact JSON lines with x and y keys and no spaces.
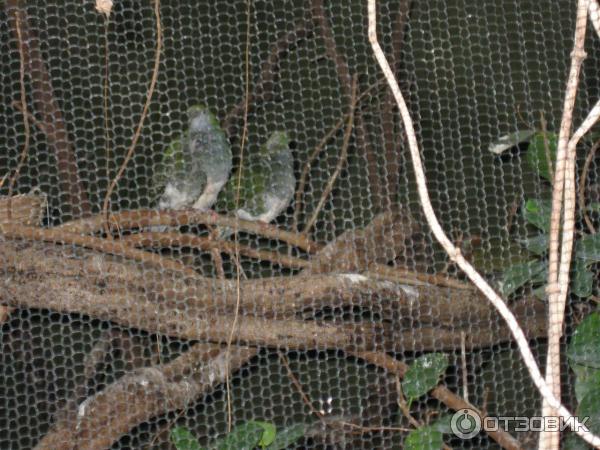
{"x":211,"y":235}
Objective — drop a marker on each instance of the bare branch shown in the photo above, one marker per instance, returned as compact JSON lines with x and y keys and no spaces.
{"x":58,"y":236}
{"x":582,"y":180}
{"x":345,"y":79}
{"x":170,"y":239}
{"x":44,"y":102}
{"x":143,"y":394}
{"x":442,"y":393}
{"x":13,"y":179}
{"x":138,"y":131}
{"x":266,"y":80}
{"x":453,"y":252}
{"x":384,"y":239}
{"x":563,"y":190}
{"x":341,"y":160}
{"x":144,"y":218}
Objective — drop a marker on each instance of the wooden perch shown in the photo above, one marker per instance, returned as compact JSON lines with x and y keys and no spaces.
{"x":145,"y":393}
{"x":383,"y":240}
{"x":144,"y":218}
{"x":173,"y":239}
{"x":68,"y":280}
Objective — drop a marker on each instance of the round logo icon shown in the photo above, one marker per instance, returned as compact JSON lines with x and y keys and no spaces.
{"x":465,"y":423}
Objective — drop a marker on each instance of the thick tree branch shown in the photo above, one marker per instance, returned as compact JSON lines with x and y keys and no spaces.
{"x":45,"y":104}
{"x":73,"y":281}
{"x":145,"y":393}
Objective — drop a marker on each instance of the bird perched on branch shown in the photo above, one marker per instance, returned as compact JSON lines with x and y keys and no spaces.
{"x":194,"y":169}
{"x":267,"y":182}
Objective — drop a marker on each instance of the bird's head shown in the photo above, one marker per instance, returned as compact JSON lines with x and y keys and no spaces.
{"x":201,"y":119}
{"x":277,"y":143}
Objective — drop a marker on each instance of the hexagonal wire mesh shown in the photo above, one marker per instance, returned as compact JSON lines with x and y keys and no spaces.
{"x":178,"y":309}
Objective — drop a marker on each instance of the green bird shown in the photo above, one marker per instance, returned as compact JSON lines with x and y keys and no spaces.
{"x":195,"y":168}
{"x":267,"y":182}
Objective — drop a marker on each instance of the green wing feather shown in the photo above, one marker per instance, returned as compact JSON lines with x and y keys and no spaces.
{"x":253,"y":181}
{"x":172,"y":163}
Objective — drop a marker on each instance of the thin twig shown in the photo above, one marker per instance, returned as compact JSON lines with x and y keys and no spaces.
{"x":463,"y":364}
{"x":13,"y":179}
{"x":361,"y":429}
{"x":15,"y":104}
{"x":106,"y":93}
{"x":237,"y":201}
{"x":317,"y":151}
{"x":345,"y":80}
{"x":547,"y":147}
{"x":404,"y":406}
{"x":341,"y":160}
{"x":266,"y":80}
{"x":582,"y":180}
{"x":138,"y":131}
{"x":453,"y":252}
{"x":440,"y":392}
{"x":171,"y":239}
{"x":298,"y":387}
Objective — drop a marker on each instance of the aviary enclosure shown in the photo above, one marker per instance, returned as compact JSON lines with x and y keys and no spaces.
{"x":211,"y":235}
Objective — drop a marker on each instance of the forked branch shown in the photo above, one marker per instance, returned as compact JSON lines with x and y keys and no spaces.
{"x":453,"y":252}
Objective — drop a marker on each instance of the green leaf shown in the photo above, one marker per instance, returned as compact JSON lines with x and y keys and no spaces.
{"x":287,"y":436}
{"x":593,"y":207}
{"x":536,"y":244}
{"x":509,"y":140}
{"x":574,"y":442}
{"x":536,"y":153}
{"x":584,"y":347}
{"x":424,"y":438}
{"x":424,"y":374}
{"x":540,"y":292}
{"x":183,"y":439}
{"x":588,"y":248}
{"x":589,"y":406}
{"x":497,"y":256}
{"x":269,"y":432}
{"x":443,"y":424}
{"x":537,"y":213}
{"x":582,"y":284}
{"x":243,"y":437}
{"x":519,"y":274}
{"x":587,"y":381}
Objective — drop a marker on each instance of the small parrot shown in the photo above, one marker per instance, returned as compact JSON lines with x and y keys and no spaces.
{"x":267,"y":183}
{"x":194,"y":169}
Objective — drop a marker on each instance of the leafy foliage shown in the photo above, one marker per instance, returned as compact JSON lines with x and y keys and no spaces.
{"x":424,"y":374}
{"x":540,"y":147}
{"x":246,"y":436}
{"x":583,"y":354}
